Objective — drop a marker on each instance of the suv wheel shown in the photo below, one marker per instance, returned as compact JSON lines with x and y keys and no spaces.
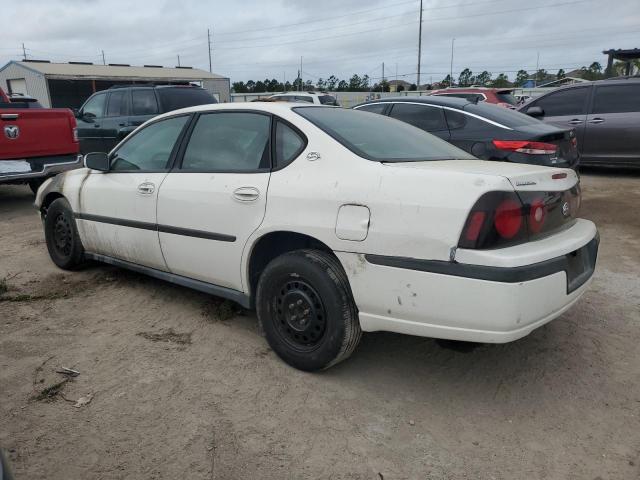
{"x":306,"y":309}
{"x":61,"y":234}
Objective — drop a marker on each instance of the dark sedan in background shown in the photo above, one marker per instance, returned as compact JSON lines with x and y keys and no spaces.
{"x":487,"y":131}
{"x":605,"y":115}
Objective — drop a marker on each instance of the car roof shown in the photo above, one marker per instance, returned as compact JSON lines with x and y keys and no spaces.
{"x":453,"y":102}
{"x":299,"y":93}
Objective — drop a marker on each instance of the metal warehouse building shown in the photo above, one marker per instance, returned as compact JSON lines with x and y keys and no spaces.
{"x":70,"y":84}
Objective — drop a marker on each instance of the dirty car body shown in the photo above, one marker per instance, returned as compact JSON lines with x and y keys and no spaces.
{"x":331,"y":222}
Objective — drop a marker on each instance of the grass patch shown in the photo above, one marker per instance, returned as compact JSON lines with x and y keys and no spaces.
{"x":50,"y":393}
{"x":168,"y":335}
{"x":219,"y":309}
{"x":27,"y":297}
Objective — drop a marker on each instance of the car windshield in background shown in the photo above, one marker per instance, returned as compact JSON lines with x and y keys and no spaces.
{"x":328,"y":100}
{"x":181,"y":97}
{"x":507,"y":97}
{"x":380,"y":138}
{"x":505,"y":116}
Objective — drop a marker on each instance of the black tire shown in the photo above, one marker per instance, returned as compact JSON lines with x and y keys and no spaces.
{"x":34,"y":185}
{"x":61,"y":234}
{"x":306,"y":309}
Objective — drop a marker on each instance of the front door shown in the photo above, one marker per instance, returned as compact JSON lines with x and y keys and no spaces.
{"x":613,"y":125}
{"x":215,"y":198}
{"x":116,"y":118}
{"x":117,"y":216}
{"x":90,"y":124}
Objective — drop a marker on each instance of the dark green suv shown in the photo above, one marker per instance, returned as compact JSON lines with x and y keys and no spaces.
{"x":110,"y":115}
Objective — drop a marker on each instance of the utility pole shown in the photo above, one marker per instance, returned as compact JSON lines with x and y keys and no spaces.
{"x":382,"y":81}
{"x":24,"y":52}
{"x":284,"y":81}
{"x":535,"y":78}
{"x":209,"y":43}
{"x":300,"y":84}
{"x":419,"y":46}
{"x":178,"y":60}
{"x":451,"y":69}
{"x":103,"y":60}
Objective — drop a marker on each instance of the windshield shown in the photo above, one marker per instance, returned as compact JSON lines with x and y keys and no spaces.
{"x":181,"y":97}
{"x":505,"y":116}
{"x":380,"y":138}
{"x":507,"y":97}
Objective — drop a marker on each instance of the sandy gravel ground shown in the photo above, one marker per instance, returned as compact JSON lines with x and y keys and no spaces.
{"x":183,"y":386}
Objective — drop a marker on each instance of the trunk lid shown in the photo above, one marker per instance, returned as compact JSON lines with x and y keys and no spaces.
{"x":565,"y":140}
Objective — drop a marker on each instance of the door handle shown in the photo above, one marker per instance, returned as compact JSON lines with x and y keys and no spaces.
{"x":575,"y":121}
{"x":95,"y":125}
{"x":596,"y":120}
{"x":246,"y":194}
{"x":146,"y":188}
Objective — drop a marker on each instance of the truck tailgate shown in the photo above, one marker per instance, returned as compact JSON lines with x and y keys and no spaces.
{"x":28,"y":133}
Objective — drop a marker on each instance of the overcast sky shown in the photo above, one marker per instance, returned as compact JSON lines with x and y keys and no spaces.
{"x":255,"y":39}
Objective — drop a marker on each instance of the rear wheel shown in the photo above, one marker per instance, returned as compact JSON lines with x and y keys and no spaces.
{"x":61,"y":234}
{"x":307,"y":311}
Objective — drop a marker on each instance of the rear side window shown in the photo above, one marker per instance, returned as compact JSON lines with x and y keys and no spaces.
{"x":427,"y":118}
{"x":506,"y":97}
{"x":572,"y":101}
{"x":373,"y":108}
{"x":230,"y":141}
{"x":95,"y":105}
{"x":328,"y":100}
{"x":181,"y":97}
{"x":472,"y":97}
{"x":144,"y":102}
{"x":117,"y":105}
{"x":378,"y":137}
{"x":617,"y":99}
{"x":289,"y":144}
{"x":501,"y":115}
{"x":150,"y":148}
{"x":304,"y":99}
{"x":455,"y":120}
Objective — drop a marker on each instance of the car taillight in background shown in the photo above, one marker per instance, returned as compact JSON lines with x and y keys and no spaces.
{"x":500,"y":219}
{"x":526,"y":146}
{"x":75,"y":135}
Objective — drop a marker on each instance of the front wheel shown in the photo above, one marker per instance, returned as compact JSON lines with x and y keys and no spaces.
{"x":307,"y":310}
{"x":61,"y":234}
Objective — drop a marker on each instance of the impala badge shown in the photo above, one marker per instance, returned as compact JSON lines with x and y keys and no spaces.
{"x":565,"y":209}
{"x":11,"y":132}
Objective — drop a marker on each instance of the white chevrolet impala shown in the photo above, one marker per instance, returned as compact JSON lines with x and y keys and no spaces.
{"x":329,"y":222}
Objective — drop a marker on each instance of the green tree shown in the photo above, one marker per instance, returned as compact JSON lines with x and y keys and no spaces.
{"x":413,"y":87}
{"x":364,"y":83}
{"x":251,"y":86}
{"x":501,"y":81}
{"x":540,"y":76}
{"x":287,"y":86}
{"x":464,"y":80}
{"x":354,"y":82}
{"x":594,"y":72}
{"x":446,"y":81}
{"x":342,"y":86}
{"x":483,"y":78}
{"x":521,"y":77}
{"x":239,"y":87}
{"x":332,"y":82}
{"x":321,"y":84}
{"x":560,"y":75}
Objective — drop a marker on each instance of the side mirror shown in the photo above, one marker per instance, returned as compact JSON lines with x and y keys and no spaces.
{"x":97,"y":161}
{"x":535,"y":112}
{"x":76,"y":112}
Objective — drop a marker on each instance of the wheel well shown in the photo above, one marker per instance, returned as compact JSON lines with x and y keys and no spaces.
{"x":48,"y":200}
{"x":273,"y":245}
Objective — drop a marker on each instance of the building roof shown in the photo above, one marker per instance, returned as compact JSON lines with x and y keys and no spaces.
{"x":623,"y":54}
{"x":79,"y":70}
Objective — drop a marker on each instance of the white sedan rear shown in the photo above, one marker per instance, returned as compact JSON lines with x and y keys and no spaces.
{"x":329,"y":222}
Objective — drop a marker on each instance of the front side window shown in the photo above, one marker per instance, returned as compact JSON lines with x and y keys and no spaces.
{"x":617,"y":98}
{"x":150,"y":148}
{"x":229,"y":141}
{"x":289,"y":144}
{"x":378,"y":137}
{"x":328,"y":100}
{"x":95,"y":106}
{"x":373,"y":107}
{"x":144,"y":102}
{"x":304,"y":99}
{"x":117,"y":105}
{"x":427,"y":118}
{"x":565,"y":102}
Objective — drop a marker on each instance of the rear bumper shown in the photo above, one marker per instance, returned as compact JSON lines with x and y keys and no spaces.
{"x":43,"y":167}
{"x":470,"y":302}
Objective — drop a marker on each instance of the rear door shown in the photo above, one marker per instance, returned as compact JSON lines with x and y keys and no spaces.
{"x":566,"y":108}
{"x":89,"y":121}
{"x":613,"y":125}
{"x":216,"y":197}
{"x":116,"y":118}
{"x":144,"y":106}
{"x":429,"y":118}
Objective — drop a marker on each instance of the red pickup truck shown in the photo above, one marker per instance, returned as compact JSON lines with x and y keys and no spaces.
{"x":35,"y":143}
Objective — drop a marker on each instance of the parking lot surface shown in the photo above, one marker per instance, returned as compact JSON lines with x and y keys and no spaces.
{"x":176,"y":384}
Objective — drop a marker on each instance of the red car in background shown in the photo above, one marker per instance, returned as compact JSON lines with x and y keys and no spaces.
{"x":498,"y":96}
{"x":35,"y":143}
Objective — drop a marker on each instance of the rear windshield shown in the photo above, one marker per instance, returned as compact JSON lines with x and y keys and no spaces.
{"x":181,"y":97}
{"x":505,"y":116}
{"x":328,"y":100}
{"x":507,"y":97}
{"x":380,"y":138}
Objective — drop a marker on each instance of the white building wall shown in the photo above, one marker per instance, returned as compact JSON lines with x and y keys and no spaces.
{"x":219,"y":88}
{"x":36,"y":82}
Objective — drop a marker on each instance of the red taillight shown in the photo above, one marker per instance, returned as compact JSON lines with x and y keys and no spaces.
{"x":508,"y":218}
{"x":537,"y":214}
{"x":474,"y":227}
{"x":525,"y":146}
